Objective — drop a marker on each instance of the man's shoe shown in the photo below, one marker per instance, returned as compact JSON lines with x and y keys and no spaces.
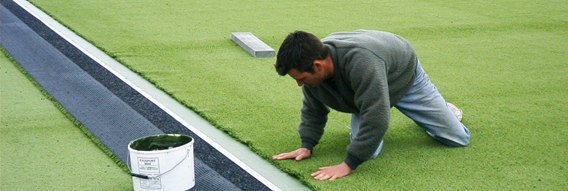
{"x":458,"y":112}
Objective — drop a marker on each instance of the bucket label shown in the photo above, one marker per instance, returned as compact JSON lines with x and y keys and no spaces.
{"x":150,"y":167}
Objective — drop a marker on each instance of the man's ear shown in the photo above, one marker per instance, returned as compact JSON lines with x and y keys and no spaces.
{"x":318,"y":65}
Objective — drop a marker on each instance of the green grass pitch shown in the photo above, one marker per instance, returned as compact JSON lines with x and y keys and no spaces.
{"x":502,"y":62}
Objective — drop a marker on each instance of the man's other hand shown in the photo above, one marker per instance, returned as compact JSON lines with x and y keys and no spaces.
{"x":298,"y":154}
{"x":332,"y":172}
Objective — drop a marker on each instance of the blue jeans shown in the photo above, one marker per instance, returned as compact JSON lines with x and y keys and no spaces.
{"x":426,"y":106}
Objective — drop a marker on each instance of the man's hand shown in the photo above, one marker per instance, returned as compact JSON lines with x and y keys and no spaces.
{"x":298,"y":154}
{"x":332,"y":172}
{"x":324,"y":173}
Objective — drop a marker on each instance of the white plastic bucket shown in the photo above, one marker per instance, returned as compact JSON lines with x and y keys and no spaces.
{"x":162,"y":162}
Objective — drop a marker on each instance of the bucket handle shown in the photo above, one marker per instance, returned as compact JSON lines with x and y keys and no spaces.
{"x":143,"y":176}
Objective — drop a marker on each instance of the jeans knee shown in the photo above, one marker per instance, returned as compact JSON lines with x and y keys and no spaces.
{"x":453,"y":141}
{"x":463,"y":142}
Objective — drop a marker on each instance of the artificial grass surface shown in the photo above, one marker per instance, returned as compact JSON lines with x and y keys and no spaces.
{"x":41,"y":149}
{"x":502,"y":62}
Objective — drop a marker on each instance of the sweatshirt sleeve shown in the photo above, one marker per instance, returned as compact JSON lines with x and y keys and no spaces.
{"x":367,"y":74}
{"x":313,"y":119}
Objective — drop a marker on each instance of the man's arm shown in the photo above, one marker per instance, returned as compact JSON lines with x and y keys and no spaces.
{"x":313,"y":119}
{"x":367,"y":75}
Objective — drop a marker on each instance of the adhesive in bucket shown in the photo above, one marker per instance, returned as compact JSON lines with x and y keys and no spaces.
{"x":162,"y":162}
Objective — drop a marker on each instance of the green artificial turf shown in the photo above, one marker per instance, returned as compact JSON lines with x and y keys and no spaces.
{"x":502,"y":62}
{"x":42,"y":149}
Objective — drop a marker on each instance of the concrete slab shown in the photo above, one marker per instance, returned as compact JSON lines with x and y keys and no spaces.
{"x":252,"y":44}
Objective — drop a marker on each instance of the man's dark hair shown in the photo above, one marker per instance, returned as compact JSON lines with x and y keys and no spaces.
{"x":298,"y":51}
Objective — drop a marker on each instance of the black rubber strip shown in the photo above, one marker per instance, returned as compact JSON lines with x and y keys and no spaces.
{"x":152,"y":116}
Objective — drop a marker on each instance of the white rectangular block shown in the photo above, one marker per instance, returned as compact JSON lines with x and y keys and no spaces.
{"x":252,"y":44}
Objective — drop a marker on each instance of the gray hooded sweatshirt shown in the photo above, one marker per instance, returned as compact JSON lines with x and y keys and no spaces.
{"x":372,"y":72}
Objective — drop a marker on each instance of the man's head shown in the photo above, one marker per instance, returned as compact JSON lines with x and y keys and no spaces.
{"x":299,"y":51}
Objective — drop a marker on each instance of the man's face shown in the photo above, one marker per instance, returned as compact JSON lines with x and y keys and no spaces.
{"x":314,"y":79}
